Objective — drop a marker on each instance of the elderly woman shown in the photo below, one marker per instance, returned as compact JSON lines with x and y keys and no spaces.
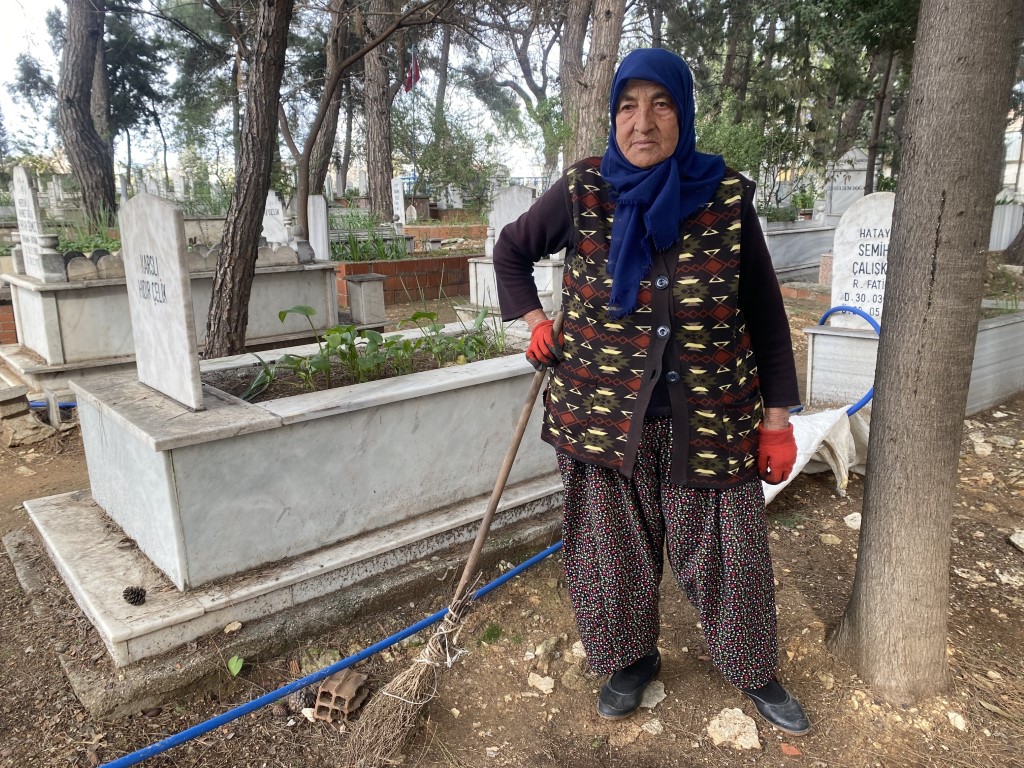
{"x":670,"y":389}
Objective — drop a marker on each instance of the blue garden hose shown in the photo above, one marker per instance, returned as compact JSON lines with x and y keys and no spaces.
{"x":269,"y":698}
{"x":874,"y":324}
{"x":43,"y":404}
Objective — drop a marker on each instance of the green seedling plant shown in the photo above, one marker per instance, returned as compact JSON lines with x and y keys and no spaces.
{"x":262,"y":381}
{"x":235,"y":664}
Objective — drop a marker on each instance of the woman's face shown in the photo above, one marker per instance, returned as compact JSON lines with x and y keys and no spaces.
{"x":646,"y":123}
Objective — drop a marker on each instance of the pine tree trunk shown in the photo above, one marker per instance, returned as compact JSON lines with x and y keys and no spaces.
{"x":585,"y":87}
{"x":377,"y":109}
{"x":883,"y":95}
{"x":87,"y":152}
{"x":346,"y":152}
{"x":323,"y":147}
{"x":894,"y":628}
{"x":232,"y":282}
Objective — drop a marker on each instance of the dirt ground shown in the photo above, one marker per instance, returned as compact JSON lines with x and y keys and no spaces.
{"x":488,"y":714}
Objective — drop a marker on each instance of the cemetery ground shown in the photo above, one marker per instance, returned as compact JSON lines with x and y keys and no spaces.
{"x":494,"y":708}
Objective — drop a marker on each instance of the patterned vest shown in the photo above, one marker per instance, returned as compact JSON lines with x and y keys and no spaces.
{"x":597,"y":397}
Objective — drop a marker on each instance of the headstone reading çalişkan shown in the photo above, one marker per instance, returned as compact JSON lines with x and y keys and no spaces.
{"x":274,"y":230}
{"x":860,"y":259}
{"x":160,"y":299}
{"x":41,"y":259}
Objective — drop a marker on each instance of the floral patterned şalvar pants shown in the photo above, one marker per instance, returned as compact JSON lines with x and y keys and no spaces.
{"x":616,"y":530}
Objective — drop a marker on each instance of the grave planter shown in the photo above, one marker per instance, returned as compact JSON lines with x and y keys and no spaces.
{"x":218,"y":492}
{"x":841,"y":363}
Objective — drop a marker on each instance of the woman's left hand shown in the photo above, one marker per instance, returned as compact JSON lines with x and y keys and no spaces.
{"x":776,"y":453}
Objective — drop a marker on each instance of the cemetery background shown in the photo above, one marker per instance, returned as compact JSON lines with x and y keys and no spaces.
{"x":499,"y":713}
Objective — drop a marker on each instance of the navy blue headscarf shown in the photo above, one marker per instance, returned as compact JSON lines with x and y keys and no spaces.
{"x":652,"y":202}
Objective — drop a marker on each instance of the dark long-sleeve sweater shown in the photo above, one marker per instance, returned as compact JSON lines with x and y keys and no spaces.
{"x":548,"y":227}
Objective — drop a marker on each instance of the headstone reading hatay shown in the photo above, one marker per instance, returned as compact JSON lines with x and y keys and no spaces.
{"x":860,"y":258}
{"x":38,"y":252}
{"x":160,"y":299}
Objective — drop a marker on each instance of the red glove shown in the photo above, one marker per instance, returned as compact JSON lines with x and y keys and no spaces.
{"x":776,"y":453}
{"x":544,"y":350}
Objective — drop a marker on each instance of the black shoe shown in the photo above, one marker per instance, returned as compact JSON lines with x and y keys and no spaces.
{"x":777,"y":705}
{"x":620,"y":697}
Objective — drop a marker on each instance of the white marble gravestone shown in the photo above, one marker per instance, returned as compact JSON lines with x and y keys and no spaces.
{"x":509,"y":204}
{"x":274,"y":230}
{"x":160,"y":299}
{"x":319,"y":227}
{"x":860,"y":258}
{"x":398,"y":200}
{"x":38,"y":252}
{"x":846,"y":182}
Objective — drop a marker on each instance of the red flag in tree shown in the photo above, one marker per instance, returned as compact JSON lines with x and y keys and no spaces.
{"x":412,"y":75}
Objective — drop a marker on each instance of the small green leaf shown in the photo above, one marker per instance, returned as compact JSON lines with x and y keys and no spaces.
{"x":298,"y":309}
{"x":235,"y":664}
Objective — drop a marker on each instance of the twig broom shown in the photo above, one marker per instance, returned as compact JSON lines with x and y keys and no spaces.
{"x":389,"y":719}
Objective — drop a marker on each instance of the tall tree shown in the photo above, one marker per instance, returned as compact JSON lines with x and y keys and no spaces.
{"x":88,"y":152}
{"x":586,"y":72}
{"x":236,"y":265}
{"x":894,"y":628}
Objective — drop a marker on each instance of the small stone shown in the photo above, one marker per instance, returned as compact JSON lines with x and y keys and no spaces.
{"x":957,"y":721}
{"x":545,"y":685}
{"x":654,"y":694}
{"x":830,"y":540}
{"x":989,"y":507}
{"x":1017,"y":539}
{"x":624,"y":736}
{"x":455,"y":712}
{"x":993,"y":675}
{"x":307,"y":712}
{"x":852,"y":521}
{"x":827,"y":681}
{"x":653,"y":727}
{"x":492,"y":752}
{"x":1010,"y":578}
{"x":578,"y":651}
{"x":735,"y":729}
{"x":24,"y":471}
{"x":574,"y":680}
{"x":789,"y":750}
{"x":982,"y":449}
{"x":234,"y":626}
{"x":1003,"y":441}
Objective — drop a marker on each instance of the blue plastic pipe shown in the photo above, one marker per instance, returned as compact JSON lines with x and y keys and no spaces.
{"x":206,"y":726}
{"x":871,"y":321}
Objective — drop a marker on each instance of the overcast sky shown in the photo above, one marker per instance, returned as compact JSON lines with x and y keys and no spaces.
{"x":23,"y":29}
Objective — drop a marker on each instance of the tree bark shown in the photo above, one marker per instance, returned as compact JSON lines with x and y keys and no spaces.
{"x":346,"y":152}
{"x":894,"y":628}
{"x":232,"y":282}
{"x":377,"y":110}
{"x":87,"y":152}
{"x":882,"y":97}
{"x":586,"y":86}
{"x":323,"y":146}
{"x":99,"y":99}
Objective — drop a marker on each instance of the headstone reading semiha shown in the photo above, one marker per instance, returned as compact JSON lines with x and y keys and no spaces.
{"x":38,"y":252}
{"x":274,"y":230}
{"x":398,"y":200}
{"x":160,"y":298}
{"x":860,"y":258}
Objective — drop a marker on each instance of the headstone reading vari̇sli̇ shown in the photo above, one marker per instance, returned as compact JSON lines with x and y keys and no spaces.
{"x":860,"y":258}
{"x":40,"y":258}
{"x":160,"y":298}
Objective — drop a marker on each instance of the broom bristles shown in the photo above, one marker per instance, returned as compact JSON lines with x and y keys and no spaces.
{"x":390,"y":717}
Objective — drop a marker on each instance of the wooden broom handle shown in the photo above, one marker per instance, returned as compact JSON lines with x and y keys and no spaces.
{"x":506,"y":469}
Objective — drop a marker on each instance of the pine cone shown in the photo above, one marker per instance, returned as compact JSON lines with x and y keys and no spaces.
{"x":134,"y":595}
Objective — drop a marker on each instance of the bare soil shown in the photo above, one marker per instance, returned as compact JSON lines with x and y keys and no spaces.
{"x":487,"y":713}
